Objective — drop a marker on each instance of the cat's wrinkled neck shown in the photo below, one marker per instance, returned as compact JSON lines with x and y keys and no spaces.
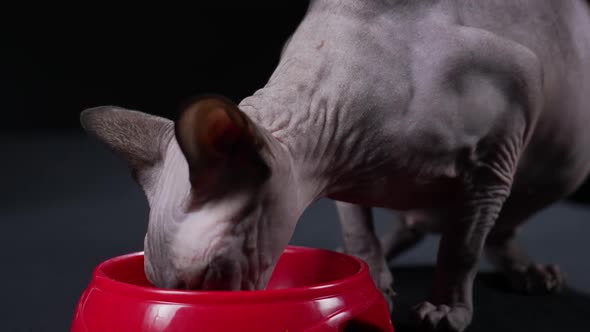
{"x":274,"y":117}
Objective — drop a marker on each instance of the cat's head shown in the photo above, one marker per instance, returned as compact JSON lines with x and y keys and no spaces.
{"x":219,"y":188}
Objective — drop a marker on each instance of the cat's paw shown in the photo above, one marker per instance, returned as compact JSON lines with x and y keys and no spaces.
{"x":442,"y":317}
{"x":537,"y":279}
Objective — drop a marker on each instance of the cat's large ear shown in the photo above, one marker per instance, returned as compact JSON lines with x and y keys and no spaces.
{"x":221,"y":145}
{"x":139,"y":138}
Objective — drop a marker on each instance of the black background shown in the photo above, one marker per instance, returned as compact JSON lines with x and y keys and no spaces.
{"x":66,"y":203}
{"x":54,"y":64}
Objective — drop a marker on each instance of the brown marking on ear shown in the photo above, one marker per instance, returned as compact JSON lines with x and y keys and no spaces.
{"x":219,"y":142}
{"x":210,"y":127}
{"x":221,"y":131}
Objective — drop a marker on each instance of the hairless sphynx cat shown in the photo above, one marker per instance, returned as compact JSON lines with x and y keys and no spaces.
{"x":465,"y":116}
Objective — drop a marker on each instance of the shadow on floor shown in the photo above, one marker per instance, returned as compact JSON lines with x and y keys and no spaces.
{"x":497,"y":309}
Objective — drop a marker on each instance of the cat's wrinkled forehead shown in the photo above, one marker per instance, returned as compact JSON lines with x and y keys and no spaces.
{"x":172,"y":187}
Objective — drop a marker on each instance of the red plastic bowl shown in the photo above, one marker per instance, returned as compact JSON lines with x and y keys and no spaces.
{"x":310,"y":290}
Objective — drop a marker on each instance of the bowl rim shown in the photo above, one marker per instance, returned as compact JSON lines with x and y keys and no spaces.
{"x":355,"y":281}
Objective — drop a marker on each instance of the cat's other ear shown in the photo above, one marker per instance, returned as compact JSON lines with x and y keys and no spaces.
{"x":139,"y":138}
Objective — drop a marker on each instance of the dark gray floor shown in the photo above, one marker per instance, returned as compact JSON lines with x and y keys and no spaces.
{"x":67,"y":204}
